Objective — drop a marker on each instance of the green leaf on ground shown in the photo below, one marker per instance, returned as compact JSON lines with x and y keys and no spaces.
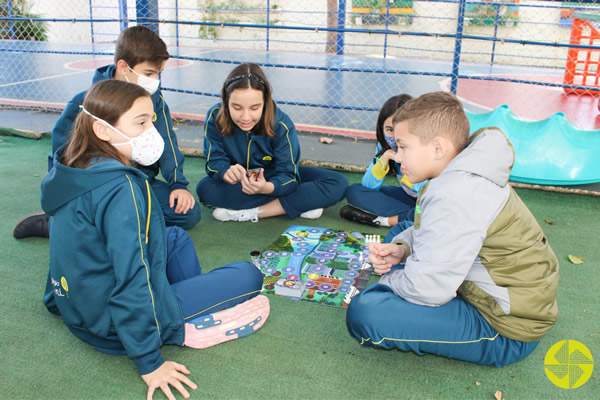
{"x":575,"y":259}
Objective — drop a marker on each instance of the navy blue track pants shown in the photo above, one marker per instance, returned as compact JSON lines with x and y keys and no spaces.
{"x":206,"y":293}
{"x":319,"y":188}
{"x":378,"y":317}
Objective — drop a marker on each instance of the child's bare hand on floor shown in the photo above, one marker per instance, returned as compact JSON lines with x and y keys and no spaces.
{"x":170,"y":373}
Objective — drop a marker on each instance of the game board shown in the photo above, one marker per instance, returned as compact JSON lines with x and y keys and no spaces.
{"x":314,"y":264}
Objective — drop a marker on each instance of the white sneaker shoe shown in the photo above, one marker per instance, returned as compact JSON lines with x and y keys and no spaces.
{"x":312,"y":214}
{"x":224,"y":214}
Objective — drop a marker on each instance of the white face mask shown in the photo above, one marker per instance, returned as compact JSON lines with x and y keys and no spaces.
{"x":151,"y":85}
{"x":146,"y":148}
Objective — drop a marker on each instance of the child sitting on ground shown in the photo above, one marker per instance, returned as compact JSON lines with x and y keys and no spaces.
{"x":119,"y":279}
{"x":253,"y":155}
{"x":140,"y":57}
{"x":373,"y":204}
{"x":480,"y":279}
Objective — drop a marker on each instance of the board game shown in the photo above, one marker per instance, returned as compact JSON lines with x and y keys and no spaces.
{"x":314,"y":264}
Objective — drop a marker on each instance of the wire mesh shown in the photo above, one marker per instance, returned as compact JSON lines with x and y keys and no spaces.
{"x":332,"y":63}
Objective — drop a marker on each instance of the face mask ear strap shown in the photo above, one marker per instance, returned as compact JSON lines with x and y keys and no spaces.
{"x":82,"y":108}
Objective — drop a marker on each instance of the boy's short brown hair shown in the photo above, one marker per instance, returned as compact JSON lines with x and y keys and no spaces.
{"x":436,"y":114}
{"x":139,"y":44}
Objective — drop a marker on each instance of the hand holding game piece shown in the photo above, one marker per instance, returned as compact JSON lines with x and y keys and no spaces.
{"x":257,"y":184}
{"x":384,"y":256}
{"x":253,"y":173}
{"x":368,"y":239}
{"x":234,"y":174}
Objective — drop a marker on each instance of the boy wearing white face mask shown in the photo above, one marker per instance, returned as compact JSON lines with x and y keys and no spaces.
{"x":140,"y":56}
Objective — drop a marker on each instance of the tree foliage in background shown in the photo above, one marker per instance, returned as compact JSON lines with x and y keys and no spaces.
{"x":21,"y":29}
{"x":229,"y":12}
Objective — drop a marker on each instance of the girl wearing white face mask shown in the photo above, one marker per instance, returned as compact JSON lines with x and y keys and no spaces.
{"x":146,"y":147}
{"x":113,"y":261}
{"x":372,"y":203}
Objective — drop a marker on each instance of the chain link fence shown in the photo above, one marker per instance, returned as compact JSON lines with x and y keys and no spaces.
{"x":332,"y":63}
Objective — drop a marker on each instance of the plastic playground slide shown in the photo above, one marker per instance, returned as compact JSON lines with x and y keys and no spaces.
{"x":547,"y":152}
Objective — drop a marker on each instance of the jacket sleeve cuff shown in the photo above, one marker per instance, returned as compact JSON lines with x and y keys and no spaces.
{"x":379,"y":172}
{"x":149,"y":362}
{"x":176,"y":186}
{"x":219,"y":174}
{"x":276,"y":189}
{"x":407,"y":251}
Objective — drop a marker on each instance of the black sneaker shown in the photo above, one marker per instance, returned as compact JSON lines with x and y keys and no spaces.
{"x":355,"y":214}
{"x":35,"y":224}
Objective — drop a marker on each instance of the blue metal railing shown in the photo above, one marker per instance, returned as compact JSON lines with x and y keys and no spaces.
{"x":147,"y":13}
{"x":144,"y":15}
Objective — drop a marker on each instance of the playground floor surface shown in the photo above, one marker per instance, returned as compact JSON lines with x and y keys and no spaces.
{"x":303,"y":350}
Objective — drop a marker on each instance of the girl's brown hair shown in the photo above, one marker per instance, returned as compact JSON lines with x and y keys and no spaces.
{"x":246,"y":76}
{"x":107,"y":100}
{"x":388,"y":109}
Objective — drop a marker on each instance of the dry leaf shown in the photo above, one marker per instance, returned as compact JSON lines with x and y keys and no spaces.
{"x":498,"y":395}
{"x":549,"y":221}
{"x":575,"y":259}
{"x":326,"y":140}
{"x":478,"y":383}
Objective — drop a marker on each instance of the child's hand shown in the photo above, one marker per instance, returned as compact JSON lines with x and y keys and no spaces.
{"x":234,"y":174}
{"x":388,"y":155}
{"x":185,"y":200}
{"x":170,"y":373}
{"x":384,"y":256}
{"x":257,"y":184}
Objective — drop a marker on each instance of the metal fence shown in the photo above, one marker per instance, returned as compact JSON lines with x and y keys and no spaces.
{"x":332,"y":62}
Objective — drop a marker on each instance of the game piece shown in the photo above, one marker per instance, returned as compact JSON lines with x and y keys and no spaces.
{"x":253,"y":173}
{"x":289,"y":287}
{"x":254,"y":256}
{"x":316,"y":264}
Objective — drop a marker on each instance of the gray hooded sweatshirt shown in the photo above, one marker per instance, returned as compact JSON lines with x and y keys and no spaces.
{"x":473,"y":236}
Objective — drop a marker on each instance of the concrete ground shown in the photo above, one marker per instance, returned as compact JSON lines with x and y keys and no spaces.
{"x":345,"y":153}
{"x":351,"y":154}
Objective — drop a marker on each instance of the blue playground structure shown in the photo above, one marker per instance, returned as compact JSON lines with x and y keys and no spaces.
{"x":548,"y":152}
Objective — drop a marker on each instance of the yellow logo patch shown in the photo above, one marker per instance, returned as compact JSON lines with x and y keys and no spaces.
{"x":154,"y":118}
{"x":63,"y":283}
{"x":267,"y":158}
{"x":568,"y":364}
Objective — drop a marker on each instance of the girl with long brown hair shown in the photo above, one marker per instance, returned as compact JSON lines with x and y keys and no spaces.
{"x":119,"y":279}
{"x":253,"y":155}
